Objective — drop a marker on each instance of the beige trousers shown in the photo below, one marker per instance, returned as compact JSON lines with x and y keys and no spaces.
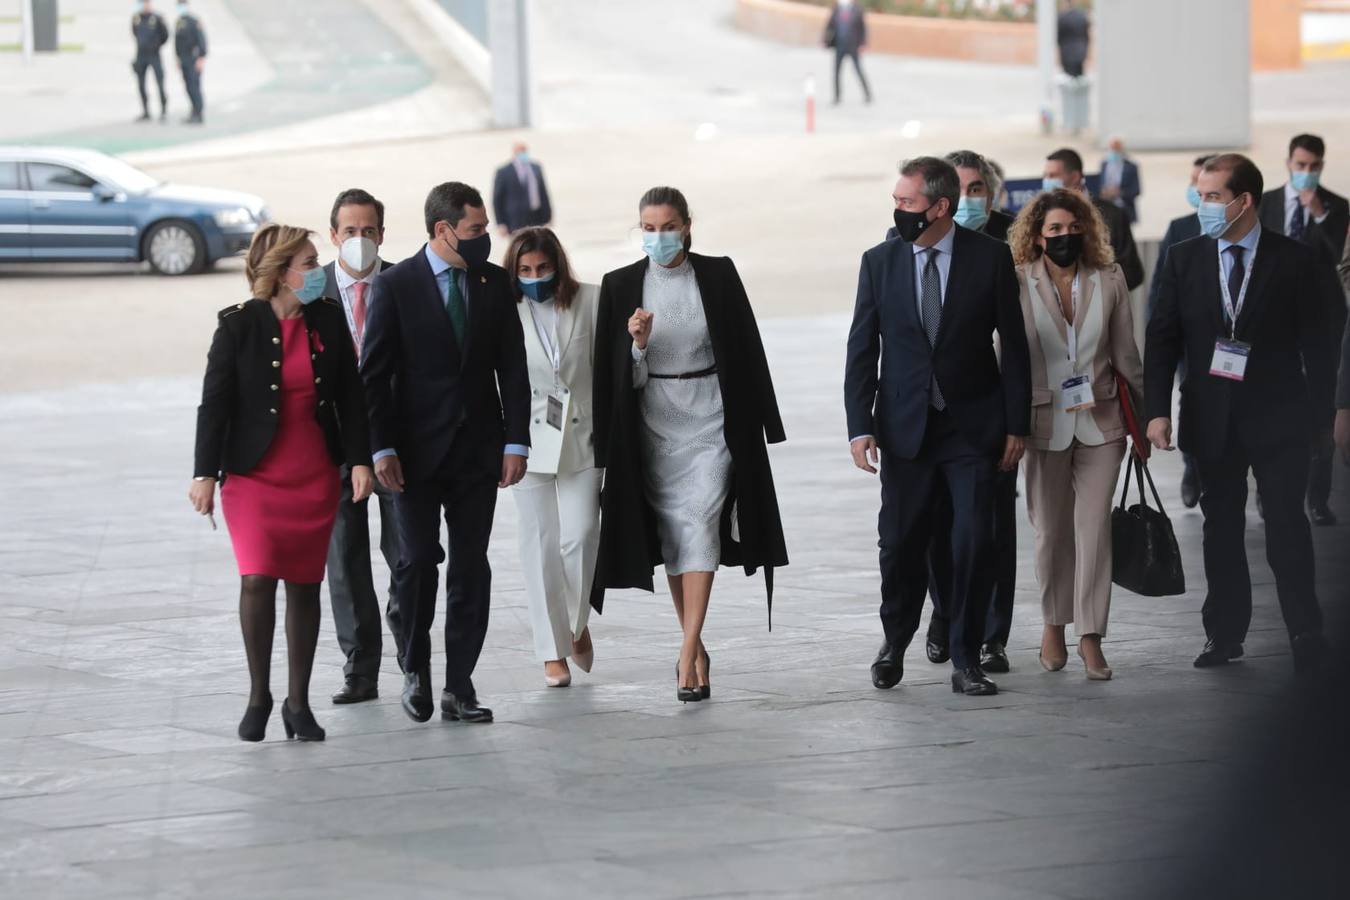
{"x":1069,"y":496}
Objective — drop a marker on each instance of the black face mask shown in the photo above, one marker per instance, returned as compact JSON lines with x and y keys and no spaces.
{"x":475,"y":251}
{"x":1064,"y":249}
{"x":909,"y":225}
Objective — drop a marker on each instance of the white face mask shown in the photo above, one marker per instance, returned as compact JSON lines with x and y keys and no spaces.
{"x":359,"y":253}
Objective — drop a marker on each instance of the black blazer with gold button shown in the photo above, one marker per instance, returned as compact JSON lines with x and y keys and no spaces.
{"x":238,"y":415}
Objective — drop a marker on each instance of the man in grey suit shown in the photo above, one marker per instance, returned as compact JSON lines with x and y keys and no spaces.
{"x":357,"y":230}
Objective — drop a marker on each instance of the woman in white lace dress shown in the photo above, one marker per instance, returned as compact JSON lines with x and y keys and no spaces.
{"x":683,"y":406}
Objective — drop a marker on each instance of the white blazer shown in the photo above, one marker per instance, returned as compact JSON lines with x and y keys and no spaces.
{"x":572,"y":449}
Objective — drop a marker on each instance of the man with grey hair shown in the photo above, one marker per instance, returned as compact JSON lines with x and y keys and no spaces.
{"x":927,"y":399}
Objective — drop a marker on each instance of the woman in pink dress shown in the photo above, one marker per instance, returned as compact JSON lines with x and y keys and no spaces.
{"x":282,"y":408}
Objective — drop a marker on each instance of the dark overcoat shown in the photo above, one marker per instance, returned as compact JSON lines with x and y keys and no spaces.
{"x":629,"y":545}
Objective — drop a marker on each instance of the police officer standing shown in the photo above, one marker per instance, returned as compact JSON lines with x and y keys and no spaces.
{"x":150,"y":33}
{"x":189,"y":40}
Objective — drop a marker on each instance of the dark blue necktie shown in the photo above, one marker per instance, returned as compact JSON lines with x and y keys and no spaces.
{"x":1297,"y":223}
{"x":1235,"y":276}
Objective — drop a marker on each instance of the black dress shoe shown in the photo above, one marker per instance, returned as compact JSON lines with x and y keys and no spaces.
{"x":417,"y":695}
{"x":935,"y":648}
{"x":1190,"y":488}
{"x":1309,"y":650}
{"x":994,"y":658}
{"x":454,"y":709}
{"x":1321,"y":515}
{"x":972,"y":682}
{"x":1217,"y":653}
{"x":889,"y":666}
{"x":253,"y":727}
{"x":357,"y":690}
{"x":300,"y":724}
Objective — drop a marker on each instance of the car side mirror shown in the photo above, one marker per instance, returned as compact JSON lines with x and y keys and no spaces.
{"x":102,"y":193}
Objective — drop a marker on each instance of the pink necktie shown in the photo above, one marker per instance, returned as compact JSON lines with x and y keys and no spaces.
{"x":359,"y":310}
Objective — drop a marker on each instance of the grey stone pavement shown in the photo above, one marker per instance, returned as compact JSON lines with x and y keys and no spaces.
{"x":122,"y":678}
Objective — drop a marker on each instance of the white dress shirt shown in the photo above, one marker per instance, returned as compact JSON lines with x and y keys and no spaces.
{"x":345,"y":283}
{"x":1291,"y":203}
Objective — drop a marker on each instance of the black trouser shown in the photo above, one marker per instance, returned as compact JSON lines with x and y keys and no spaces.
{"x":1319,"y":471}
{"x":910,"y":490}
{"x":192,"y":80}
{"x":998,"y":621}
{"x":141,"y":66}
{"x":839,"y":57}
{"x":467,"y":497}
{"x":351,"y":586}
{"x":1282,"y":478}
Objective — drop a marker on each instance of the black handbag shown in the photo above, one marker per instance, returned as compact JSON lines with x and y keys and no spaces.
{"x":1145,"y":557}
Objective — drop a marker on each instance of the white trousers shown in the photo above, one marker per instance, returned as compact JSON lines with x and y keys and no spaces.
{"x":559,"y":539}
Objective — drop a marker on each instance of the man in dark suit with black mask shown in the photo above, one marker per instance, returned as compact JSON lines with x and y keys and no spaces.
{"x":449,"y":396}
{"x":1244,"y":306}
{"x":1308,"y":212}
{"x":939,"y":413}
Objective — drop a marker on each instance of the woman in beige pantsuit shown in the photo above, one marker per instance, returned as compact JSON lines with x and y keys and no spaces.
{"x":1080,"y":329}
{"x":559,"y":498}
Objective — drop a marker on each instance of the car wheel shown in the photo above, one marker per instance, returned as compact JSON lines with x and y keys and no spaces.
{"x":175,"y":248}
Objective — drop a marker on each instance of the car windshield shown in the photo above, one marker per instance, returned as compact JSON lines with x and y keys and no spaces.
{"x":123,"y":175}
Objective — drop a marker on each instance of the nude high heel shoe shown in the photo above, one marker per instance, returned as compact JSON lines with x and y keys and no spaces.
{"x":584,"y":660}
{"x":1093,"y":673}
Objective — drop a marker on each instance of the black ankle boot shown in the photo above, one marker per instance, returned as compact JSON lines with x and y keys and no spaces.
{"x":253,"y":727}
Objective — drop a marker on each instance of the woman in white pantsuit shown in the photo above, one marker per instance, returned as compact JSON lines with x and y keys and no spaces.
{"x":1080,"y":330}
{"x":559,"y":498}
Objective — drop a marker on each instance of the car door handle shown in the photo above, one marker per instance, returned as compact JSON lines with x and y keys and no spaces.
{"x":42,"y":204}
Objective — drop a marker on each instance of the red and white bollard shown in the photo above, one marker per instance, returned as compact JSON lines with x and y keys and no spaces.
{"x":810,"y":104}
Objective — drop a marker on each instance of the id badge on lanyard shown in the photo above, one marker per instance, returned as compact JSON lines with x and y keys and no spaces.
{"x":1075,"y":392}
{"x":1230,"y":354}
{"x":558,"y":398}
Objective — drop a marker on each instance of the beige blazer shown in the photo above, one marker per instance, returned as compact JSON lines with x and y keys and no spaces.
{"x":1104,"y":324}
{"x":572,"y":449}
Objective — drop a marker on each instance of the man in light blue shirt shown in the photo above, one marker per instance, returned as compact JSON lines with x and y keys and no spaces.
{"x":448,"y":391}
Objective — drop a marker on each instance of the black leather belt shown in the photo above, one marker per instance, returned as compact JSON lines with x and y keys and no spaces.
{"x":701,"y":373}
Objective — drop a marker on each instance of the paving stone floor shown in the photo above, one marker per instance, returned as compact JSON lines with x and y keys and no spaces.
{"x":122,"y":679}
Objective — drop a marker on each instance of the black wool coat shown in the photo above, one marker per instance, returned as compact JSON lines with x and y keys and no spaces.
{"x":629,"y":545}
{"x":239,"y":412}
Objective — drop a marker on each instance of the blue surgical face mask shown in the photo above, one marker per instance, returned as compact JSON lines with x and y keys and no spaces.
{"x":1305,"y":181}
{"x":1114,"y":156}
{"x":182,"y":9}
{"x":662,"y":246}
{"x":1214,"y":218}
{"x":972,"y":212}
{"x":1193,"y":196}
{"x":312,"y":289}
{"x":1051,"y":184}
{"x":539,"y":289}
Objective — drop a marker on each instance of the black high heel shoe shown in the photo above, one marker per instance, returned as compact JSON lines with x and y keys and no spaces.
{"x":300,"y":725}
{"x":684,"y":694}
{"x":253,"y":726}
{"x":705,"y":690}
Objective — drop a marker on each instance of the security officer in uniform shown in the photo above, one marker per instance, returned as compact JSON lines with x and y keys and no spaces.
{"x":150,"y":33}
{"x":189,"y":41}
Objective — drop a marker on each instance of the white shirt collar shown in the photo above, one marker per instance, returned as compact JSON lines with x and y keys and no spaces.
{"x":344,"y":280}
{"x":1290,"y":195}
{"x":942,"y":246}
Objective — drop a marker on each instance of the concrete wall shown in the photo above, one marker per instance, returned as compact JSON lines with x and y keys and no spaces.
{"x":801,"y":23}
{"x":491,"y":40}
{"x":1160,"y":86}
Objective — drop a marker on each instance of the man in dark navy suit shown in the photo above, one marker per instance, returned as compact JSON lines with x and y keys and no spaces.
{"x":442,"y":335}
{"x":1246,"y":308}
{"x":1306,"y":211}
{"x":519,"y":193}
{"x":939,"y":416}
{"x":1118,"y":180}
{"x":1182,"y":228}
